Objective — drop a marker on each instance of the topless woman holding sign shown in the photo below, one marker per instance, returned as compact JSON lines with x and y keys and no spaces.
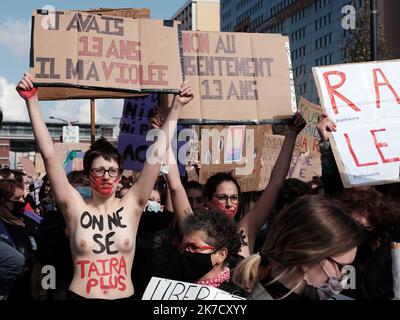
{"x":102,"y":229}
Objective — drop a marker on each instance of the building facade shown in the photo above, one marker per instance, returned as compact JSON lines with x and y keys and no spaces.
{"x":199,"y":15}
{"x":17,"y":140}
{"x":316,"y":29}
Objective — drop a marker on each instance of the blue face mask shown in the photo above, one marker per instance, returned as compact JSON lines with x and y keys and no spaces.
{"x":85,"y":192}
{"x":153,"y":206}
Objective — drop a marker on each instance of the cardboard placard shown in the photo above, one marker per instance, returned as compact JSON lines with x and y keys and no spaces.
{"x":249,"y":175}
{"x":72,"y":49}
{"x":308,"y":167}
{"x":363,"y":99}
{"x":62,"y":150}
{"x":238,"y":77}
{"x":28,"y":167}
{"x":309,"y":138}
{"x":193,"y":152}
{"x":165,"y":289}
{"x":134,"y":13}
{"x":75,"y":163}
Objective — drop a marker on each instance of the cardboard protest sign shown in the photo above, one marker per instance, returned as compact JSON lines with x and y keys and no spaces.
{"x":272,"y":145}
{"x":305,"y":167}
{"x":363,"y":99}
{"x":71,"y":49}
{"x":134,"y":126}
{"x":28,"y":167}
{"x":242,"y":150}
{"x":193,"y":152}
{"x":238,"y":77}
{"x":62,"y":150}
{"x":74,"y":161}
{"x":135,"y":13}
{"x":165,"y":289}
{"x":305,"y":170}
{"x":309,"y":138}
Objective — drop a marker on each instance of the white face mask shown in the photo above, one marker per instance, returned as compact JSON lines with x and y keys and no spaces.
{"x":332,"y":287}
{"x":153,"y":206}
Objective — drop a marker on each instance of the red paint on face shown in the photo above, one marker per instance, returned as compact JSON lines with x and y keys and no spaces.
{"x":102,"y":185}
{"x":229,"y":211}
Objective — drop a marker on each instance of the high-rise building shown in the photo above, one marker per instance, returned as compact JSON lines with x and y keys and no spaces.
{"x":199,"y":15}
{"x":315,"y":29}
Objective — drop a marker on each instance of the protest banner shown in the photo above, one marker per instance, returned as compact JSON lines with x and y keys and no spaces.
{"x":70,"y":134}
{"x":308,"y":138}
{"x":363,"y":99}
{"x":165,"y":289}
{"x":243,"y":151}
{"x":74,"y":161}
{"x":272,"y":145}
{"x":135,"y":13}
{"x":73,"y":51}
{"x":395,"y":253}
{"x":61,"y":150}
{"x":237,"y":77}
{"x":28,"y":167}
{"x":302,"y":166}
{"x":193,"y":152}
{"x":134,"y":126}
{"x":305,"y":167}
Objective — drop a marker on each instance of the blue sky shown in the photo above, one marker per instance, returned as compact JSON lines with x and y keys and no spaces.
{"x":14,"y":54}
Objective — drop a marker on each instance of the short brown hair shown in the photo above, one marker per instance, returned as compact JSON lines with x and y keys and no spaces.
{"x":101,"y":148}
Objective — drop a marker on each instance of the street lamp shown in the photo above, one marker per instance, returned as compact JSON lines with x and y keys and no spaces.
{"x":70,"y":123}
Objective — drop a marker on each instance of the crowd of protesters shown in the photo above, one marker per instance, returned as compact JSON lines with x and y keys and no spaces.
{"x":291,"y":241}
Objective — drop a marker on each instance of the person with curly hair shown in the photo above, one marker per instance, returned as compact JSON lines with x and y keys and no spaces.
{"x":379,"y":215}
{"x":211,"y":242}
{"x":222,"y":191}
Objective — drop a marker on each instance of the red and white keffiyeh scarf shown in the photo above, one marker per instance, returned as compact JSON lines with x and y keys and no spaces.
{"x":218,"y":280}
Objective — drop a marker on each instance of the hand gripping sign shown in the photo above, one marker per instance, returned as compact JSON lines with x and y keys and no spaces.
{"x":364,"y":101}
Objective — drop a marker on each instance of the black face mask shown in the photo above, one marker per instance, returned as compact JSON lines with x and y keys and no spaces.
{"x":18,"y":208}
{"x":196,"y":265}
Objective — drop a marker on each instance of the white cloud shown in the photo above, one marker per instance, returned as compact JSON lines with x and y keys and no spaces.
{"x":14,"y":108}
{"x":71,"y":110}
{"x":12,"y":105}
{"x":15,"y":36}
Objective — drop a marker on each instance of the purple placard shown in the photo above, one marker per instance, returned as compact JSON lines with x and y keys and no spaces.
{"x":133,"y":150}
{"x":134,"y":119}
{"x":134,"y":125}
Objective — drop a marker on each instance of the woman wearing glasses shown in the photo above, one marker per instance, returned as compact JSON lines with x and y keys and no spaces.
{"x":102,"y":229}
{"x":222,"y":191}
{"x":304,"y":254}
{"x":210,"y":243}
